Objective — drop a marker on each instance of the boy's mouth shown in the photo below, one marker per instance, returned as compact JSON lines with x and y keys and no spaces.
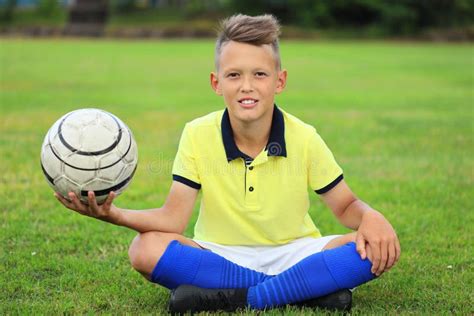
{"x":248,"y":102}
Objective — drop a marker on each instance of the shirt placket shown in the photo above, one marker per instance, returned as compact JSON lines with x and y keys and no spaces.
{"x":253,"y":189}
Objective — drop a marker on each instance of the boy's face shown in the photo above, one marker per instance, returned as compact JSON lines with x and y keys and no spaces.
{"x":248,"y":79}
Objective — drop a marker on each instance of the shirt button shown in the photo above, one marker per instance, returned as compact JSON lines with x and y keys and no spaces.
{"x":251,"y":168}
{"x":251,"y":189}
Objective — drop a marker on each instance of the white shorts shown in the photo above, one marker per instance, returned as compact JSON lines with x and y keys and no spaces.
{"x":270,"y":260}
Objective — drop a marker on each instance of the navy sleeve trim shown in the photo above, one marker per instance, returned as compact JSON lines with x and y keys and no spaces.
{"x":186,"y":181}
{"x":330,"y":185}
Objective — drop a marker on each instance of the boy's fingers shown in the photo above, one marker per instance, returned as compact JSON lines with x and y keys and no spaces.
{"x":360,"y":245}
{"x":376,"y":257}
{"x":391,"y":256}
{"x":63,"y":201}
{"x":109,"y":200}
{"x":383,"y":258}
{"x":70,"y":204}
{"x":397,"y":249}
{"x":92,"y":202}
{"x":369,"y":253}
{"x":75,"y":202}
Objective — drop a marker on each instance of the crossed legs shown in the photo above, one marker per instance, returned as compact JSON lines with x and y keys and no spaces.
{"x":147,"y":248}
{"x":172,"y":260}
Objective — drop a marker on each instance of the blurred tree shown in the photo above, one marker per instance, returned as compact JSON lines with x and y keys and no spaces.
{"x":122,"y":6}
{"x":443,"y":12}
{"x":87,"y":17}
{"x":381,"y":17}
{"x":391,"y":16}
{"x":6,"y":10}
{"x":204,"y":8}
{"x":255,"y":7}
{"x":48,"y":8}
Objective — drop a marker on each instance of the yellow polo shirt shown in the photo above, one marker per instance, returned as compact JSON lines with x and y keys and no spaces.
{"x":263,"y":201}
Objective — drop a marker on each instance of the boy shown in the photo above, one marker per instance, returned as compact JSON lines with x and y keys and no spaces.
{"x":255,"y":244}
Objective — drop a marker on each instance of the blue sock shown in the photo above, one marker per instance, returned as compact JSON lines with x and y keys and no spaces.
{"x":181,"y":264}
{"x":317,"y":275}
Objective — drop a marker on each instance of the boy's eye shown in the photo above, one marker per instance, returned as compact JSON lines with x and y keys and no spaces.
{"x":260,"y":74}
{"x":233,"y":75}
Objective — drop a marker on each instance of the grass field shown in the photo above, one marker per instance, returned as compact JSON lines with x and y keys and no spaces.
{"x":398,"y":117}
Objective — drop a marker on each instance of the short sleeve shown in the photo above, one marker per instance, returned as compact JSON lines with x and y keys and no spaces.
{"x":324,"y":173}
{"x":184,"y":166}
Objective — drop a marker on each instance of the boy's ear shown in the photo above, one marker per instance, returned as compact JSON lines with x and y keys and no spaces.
{"x":281,"y":84}
{"x":215,"y":83}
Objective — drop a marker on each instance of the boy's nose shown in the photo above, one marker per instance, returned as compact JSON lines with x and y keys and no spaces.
{"x":246,"y":86}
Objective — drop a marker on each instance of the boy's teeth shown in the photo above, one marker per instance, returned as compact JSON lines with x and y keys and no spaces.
{"x":248,"y":101}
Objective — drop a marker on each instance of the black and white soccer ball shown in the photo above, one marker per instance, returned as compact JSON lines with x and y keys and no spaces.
{"x":89,"y":149}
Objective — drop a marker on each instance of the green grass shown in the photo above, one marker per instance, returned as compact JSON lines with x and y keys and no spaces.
{"x":398,"y":117}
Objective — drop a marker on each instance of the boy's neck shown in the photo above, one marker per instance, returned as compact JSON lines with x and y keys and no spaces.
{"x":252,"y":137}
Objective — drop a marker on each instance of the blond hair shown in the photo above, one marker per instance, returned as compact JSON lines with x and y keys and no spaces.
{"x":254,"y":30}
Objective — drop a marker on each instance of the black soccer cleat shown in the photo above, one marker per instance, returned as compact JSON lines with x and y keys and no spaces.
{"x":188,"y":298}
{"x":337,"y":301}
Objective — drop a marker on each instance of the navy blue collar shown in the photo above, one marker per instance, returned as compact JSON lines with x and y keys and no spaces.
{"x":276,"y":145}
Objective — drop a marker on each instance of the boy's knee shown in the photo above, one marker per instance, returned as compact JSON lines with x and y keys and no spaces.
{"x":347,"y":267}
{"x":340,"y":241}
{"x":147,"y":248}
{"x":351,"y":237}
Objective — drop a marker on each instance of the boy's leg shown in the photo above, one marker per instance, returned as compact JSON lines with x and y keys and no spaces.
{"x":315,"y":276}
{"x":147,"y":248}
{"x":172,"y":260}
{"x":341,"y":240}
{"x":339,"y":300}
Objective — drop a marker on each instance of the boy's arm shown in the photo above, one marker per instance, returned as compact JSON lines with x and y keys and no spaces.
{"x":172,"y":217}
{"x":371,"y":226}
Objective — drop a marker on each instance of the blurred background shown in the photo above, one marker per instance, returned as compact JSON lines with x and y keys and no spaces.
{"x":440,"y":20}
{"x":388,"y":84}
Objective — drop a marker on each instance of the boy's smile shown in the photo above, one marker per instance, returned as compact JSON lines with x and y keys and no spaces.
{"x":248,"y":79}
{"x":248,"y":103}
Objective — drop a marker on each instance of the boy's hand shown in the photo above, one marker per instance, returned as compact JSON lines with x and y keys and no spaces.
{"x":380,"y":236}
{"x":106,"y":211}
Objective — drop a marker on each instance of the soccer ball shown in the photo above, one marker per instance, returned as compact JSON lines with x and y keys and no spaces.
{"x":89,"y":149}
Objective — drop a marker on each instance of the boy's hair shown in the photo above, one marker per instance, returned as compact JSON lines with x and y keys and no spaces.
{"x":255,"y":30}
